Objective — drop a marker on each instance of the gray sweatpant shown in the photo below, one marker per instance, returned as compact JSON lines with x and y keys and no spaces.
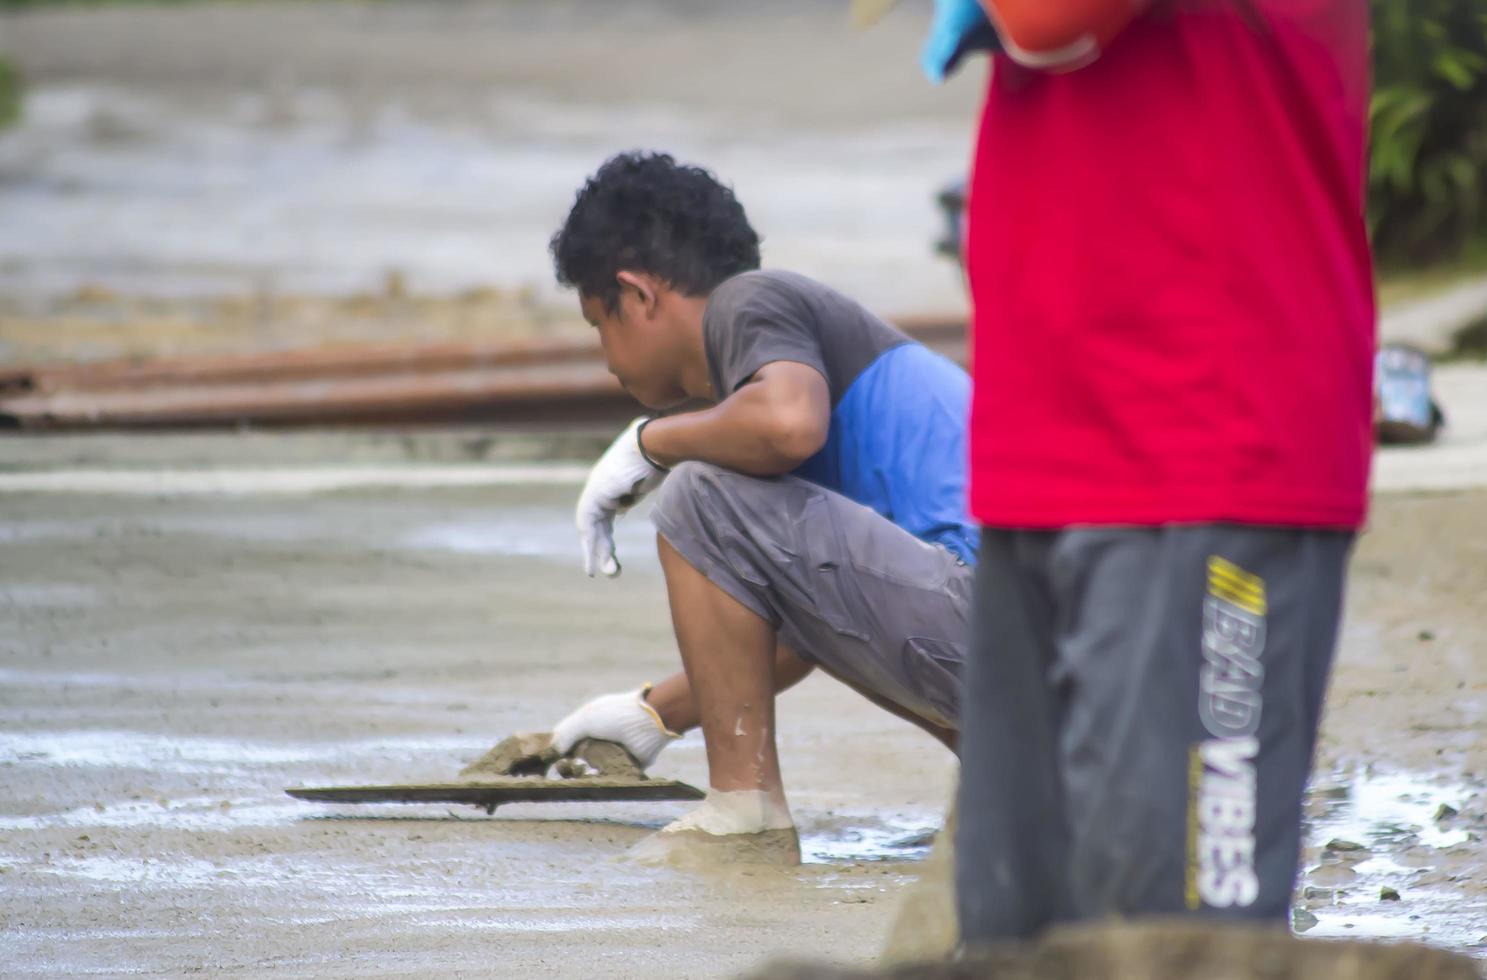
{"x":1139,"y":716}
{"x":844,"y":587}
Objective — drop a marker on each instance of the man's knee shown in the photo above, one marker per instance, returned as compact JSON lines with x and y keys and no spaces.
{"x":703,"y":513}
{"x":680,"y":497}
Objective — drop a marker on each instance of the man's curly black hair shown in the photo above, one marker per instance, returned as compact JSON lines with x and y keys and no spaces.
{"x":647,"y":213}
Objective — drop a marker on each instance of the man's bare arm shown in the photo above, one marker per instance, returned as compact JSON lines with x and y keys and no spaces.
{"x":769,"y":426}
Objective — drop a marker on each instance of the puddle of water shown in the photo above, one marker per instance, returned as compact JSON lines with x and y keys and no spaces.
{"x":1365,"y":925}
{"x":1388,"y":809}
{"x":864,"y":838}
{"x":1388,"y":815}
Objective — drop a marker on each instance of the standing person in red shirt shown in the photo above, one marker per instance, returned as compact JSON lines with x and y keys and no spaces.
{"x":1174,"y":330}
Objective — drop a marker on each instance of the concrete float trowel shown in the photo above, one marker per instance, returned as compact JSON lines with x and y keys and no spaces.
{"x":516,"y":771}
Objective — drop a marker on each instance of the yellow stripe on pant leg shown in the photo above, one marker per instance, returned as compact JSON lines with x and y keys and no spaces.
{"x":1231,"y":583}
{"x":1223,"y":566}
{"x":1244,"y":600}
{"x":1195,"y":783}
{"x":1225,"y":571}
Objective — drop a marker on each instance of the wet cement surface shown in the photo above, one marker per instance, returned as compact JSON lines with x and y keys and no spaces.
{"x":171,"y":663}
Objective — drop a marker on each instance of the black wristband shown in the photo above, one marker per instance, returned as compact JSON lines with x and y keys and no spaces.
{"x":640,"y":444}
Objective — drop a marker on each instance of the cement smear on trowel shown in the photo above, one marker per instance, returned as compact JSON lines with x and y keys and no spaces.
{"x":608,"y":759}
{"x":531,"y":753}
{"x":523,"y":754}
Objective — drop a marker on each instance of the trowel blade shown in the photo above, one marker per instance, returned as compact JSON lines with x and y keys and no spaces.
{"x":492,"y":792}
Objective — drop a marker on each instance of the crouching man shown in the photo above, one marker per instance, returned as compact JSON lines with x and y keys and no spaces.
{"x":813,"y":516}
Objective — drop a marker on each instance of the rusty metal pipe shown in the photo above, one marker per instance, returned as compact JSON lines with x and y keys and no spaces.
{"x":528,"y":380}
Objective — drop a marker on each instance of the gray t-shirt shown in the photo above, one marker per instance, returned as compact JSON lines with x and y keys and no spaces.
{"x":758,"y":317}
{"x":897,"y":441}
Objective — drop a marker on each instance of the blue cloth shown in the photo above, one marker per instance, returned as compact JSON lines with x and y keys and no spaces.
{"x":897,"y":444}
{"x":957,"y":28}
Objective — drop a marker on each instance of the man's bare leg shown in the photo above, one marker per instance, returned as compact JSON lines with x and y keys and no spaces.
{"x":947,"y":737}
{"x":728,"y":653}
{"x":672,"y":698}
{"x":673,"y":701}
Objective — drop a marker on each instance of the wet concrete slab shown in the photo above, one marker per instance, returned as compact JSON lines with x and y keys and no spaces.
{"x":172,"y":661}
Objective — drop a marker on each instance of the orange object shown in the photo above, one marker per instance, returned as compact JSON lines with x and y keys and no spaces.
{"x":1062,"y":35}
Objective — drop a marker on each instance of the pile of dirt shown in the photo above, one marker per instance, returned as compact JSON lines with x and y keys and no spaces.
{"x":1170,"y":950}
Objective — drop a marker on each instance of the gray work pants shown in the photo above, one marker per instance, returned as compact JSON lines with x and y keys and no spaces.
{"x":845,"y":587}
{"x":1138,"y":720}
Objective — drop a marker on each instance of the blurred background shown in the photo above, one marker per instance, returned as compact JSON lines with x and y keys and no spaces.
{"x":188,"y":179}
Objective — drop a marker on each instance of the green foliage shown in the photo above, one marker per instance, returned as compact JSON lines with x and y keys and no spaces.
{"x":1427,"y":191}
{"x":10,"y":94}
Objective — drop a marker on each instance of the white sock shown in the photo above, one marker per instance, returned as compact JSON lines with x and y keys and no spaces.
{"x":740,"y":811}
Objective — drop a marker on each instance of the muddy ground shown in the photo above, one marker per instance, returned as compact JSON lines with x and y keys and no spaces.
{"x":172,"y":660}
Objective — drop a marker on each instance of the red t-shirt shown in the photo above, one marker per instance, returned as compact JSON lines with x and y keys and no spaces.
{"x":1173,"y":295}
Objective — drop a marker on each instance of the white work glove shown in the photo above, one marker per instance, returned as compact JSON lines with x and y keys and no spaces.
{"x":616,"y":483}
{"x":624,"y":718}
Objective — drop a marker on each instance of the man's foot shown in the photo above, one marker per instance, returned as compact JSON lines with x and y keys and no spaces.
{"x":729,"y":827}
{"x":699,"y":849}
